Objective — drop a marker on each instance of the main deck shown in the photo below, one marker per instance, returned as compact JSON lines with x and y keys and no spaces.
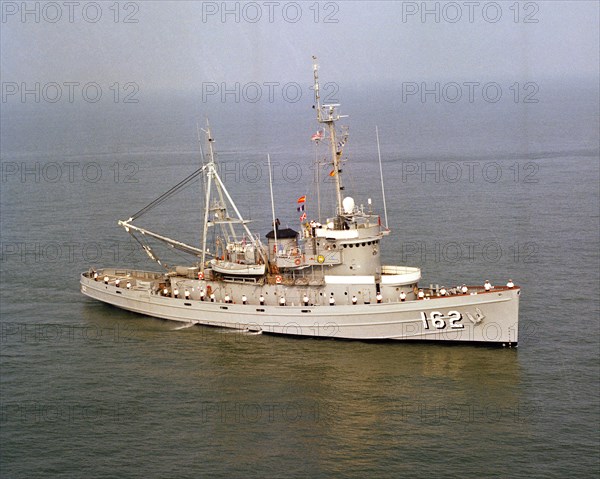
{"x":478,"y":316}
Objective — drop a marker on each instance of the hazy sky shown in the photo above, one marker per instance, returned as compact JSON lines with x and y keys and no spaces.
{"x":179,"y":45}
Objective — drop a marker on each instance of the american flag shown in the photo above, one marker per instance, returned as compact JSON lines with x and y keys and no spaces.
{"x":317,"y":136}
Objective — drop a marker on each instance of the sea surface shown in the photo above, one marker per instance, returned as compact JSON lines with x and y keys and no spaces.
{"x":474,"y":191}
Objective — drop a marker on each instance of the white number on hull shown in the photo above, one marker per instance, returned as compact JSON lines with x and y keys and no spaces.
{"x":439,"y":321}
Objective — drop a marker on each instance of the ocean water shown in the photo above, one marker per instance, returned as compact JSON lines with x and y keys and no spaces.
{"x":474,"y":192}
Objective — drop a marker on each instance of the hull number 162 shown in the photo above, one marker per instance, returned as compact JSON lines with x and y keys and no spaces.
{"x":439,"y":321}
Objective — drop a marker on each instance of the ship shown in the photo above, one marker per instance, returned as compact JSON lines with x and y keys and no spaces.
{"x":325,"y":281}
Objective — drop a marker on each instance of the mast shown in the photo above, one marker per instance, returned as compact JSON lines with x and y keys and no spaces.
{"x":272,"y":206}
{"x":327,"y":115}
{"x":205,"y":224}
{"x":222,"y":218}
{"x":318,"y":166}
{"x":208,"y":186}
{"x":198,"y":129}
{"x":219,"y":207}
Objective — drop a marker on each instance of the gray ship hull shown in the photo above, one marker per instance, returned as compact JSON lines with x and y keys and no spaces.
{"x":480,"y":316}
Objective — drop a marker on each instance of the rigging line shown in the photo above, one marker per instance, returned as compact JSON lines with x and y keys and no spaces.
{"x":148,"y":250}
{"x":183,"y":249}
{"x":166,"y":195}
{"x":134,"y":259}
{"x":198,"y":129}
{"x":188,"y":185}
{"x":381,"y":176}
{"x":180,"y":252}
{"x":136,"y":239}
{"x":175,"y":247}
